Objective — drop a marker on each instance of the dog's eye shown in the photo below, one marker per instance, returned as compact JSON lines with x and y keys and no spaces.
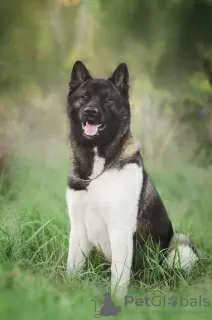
{"x":106,"y":99}
{"x":85,"y":97}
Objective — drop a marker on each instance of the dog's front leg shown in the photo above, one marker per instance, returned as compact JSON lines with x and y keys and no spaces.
{"x":78,"y":249}
{"x":122,"y":251}
{"x":79,"y":245}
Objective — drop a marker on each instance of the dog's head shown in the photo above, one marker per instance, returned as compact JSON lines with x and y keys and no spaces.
{"x":98,"y":109}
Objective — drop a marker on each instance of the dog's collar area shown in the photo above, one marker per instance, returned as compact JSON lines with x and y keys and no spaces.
{"x":98,"y":175}
{"x":130,"y":148}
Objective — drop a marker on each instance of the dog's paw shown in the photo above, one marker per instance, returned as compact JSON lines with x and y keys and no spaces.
{"x":119,"y":293}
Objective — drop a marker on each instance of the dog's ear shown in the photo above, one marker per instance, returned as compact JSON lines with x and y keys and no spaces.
{"x":120,"y":79}
{"x":79,"y":75}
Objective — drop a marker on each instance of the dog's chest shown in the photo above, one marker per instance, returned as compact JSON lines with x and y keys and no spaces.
{"x":110,"y":202}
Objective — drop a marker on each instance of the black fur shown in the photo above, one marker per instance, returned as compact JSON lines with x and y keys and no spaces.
{"x":152,"y":216}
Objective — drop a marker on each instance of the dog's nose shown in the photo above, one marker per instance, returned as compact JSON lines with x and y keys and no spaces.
{"x":91,"y":111}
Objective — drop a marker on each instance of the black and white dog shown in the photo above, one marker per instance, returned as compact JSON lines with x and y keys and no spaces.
{"x":110,"y":196}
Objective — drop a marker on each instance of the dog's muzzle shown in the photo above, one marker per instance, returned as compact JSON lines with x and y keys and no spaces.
{"x":91,"y":123}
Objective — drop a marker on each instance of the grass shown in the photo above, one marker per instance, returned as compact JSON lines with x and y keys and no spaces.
{"x":34,"y":230}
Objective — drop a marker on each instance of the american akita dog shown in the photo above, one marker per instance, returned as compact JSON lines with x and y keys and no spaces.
{"x":110,"y":196}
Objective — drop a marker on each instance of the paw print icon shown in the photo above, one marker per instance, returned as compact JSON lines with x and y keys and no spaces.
{"x":173,"y":301}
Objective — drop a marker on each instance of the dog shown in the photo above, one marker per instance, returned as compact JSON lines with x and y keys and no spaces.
{"x":111,"y":198}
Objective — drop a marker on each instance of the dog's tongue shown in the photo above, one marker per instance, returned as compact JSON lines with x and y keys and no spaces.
{"x":90,"y":129}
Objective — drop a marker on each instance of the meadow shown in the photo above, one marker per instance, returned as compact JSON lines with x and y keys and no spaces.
{"x":34,"y":242}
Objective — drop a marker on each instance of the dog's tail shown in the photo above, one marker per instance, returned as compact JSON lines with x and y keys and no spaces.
{"x":182,"y":253}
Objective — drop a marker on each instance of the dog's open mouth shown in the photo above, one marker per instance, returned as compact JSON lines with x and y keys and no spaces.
{"x":91,"y":129}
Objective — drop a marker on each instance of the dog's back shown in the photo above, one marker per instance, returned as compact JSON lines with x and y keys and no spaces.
{"x":152,"y":216}
{"x":154,"y":224}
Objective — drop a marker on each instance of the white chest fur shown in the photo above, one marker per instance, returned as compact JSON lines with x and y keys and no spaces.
{"x":110,"y":202}
{"x":98,"y":165}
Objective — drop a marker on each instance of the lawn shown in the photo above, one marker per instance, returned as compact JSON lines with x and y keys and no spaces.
{"x":34,"y":232}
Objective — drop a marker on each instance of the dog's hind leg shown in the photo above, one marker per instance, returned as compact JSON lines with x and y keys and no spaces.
{"x":182,"y":252}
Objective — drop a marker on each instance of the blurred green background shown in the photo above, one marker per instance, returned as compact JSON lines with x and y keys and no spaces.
{"x":167,"y":45}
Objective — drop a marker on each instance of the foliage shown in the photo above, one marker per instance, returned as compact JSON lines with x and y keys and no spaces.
{"x":167,"y":44}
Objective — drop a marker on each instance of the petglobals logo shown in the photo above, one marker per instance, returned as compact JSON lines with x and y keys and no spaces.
{"x":164,"y":301}
{"x":157,"y":303}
